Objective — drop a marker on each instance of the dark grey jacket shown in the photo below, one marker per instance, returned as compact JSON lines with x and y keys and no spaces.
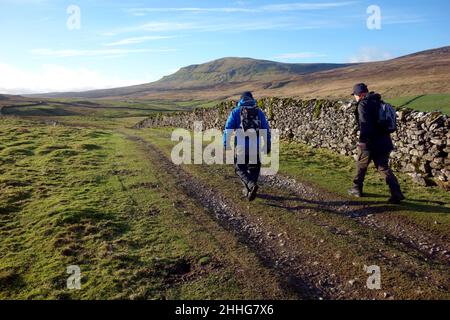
{"x":367,"y":117}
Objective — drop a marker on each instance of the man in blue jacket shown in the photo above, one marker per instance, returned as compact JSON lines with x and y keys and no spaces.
{"x":247,"y":118}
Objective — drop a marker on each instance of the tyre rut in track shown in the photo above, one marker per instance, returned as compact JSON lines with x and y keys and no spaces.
{"x":293,"y":275}
{"x":289,"y":263}
{"x":432,"y":247}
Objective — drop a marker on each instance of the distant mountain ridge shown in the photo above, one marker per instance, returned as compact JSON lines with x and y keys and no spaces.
{"x":418,"y":73}
{"x":242,"y":69}
{"x":213,"y":73}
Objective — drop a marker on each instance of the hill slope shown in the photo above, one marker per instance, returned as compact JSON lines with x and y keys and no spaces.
{"x":237,"y":70}
{"x":416,"y":74}
{"x":420,"y":73}
{"x":207,"y":76}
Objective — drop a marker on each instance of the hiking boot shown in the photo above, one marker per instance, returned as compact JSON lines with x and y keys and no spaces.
{"x":396,"y":199}
{"x":355,"y":192}
{"x":252,"y":192}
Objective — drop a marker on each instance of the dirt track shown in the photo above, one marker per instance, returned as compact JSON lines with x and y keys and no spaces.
{"x":402,"y":246}
{"x":431,"y":246}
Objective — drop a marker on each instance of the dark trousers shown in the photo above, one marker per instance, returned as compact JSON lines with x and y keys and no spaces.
{"x":381,"y":161}
{"x":249,"y":173}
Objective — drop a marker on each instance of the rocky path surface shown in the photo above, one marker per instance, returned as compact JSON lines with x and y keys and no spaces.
{"x":431,"y":246}
{"x":310,"y":275}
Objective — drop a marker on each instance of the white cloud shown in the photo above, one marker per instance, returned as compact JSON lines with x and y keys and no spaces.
{"x":161,"y":26}
{"x":299,"y":55}
{"x":107,"y":34}
{"x":143,"y":11}
{"x":298,"y":6}
{"x":233,"y":23}
{"x":251,"y":26}
{"x":137,"y":40}
{"x":370,"y":54}
{"x":64,"y":53}
{"x":240,"y":3}
{"x":393,"y":20}
{"x":229,"y":26}
{"x":23,"y":2}
{"x":57,"y":78}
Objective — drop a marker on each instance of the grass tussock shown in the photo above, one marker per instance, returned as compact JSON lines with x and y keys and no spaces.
{"x":87,"y":197}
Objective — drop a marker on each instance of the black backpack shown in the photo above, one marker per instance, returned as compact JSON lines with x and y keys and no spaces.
{"x":250,"y":119}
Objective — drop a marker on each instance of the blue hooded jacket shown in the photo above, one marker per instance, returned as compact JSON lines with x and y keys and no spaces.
{"x":234,"y":123}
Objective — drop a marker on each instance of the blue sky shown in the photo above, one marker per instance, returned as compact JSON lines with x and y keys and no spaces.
{"x":131,"y":42}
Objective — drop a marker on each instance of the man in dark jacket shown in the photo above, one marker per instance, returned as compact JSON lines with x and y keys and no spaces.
{"x":373,"y":145}
{"x":247,"y":170}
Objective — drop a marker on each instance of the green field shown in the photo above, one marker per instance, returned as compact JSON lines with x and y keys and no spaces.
{"x":427,"y":208}
{"x":89,"y":197}
{"x":102,"y":108}
{"x":334,"y":173}
{"x":126,"y":108}
{"x":429,"y":102}
{"x":82,"y":190}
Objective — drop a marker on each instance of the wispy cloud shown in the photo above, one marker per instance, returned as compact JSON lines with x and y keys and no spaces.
{"x":249,"y":26}
{"x":192,"y":21}
{"x":370,"y":54}
{"x":64,"y":53}
{"x":23,"y":2}
{"x":137,"y":40}
{"x":227,"y":25}
{"x":299,"y":55}
{"x":163,"y":26}
{"x":392,"y":20}
{"x":107,"y":34}
{"x":57,"y":78}
{"x":298,"y":6}
{"x":143,"y":11}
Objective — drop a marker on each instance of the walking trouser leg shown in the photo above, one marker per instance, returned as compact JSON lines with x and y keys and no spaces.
{"x":254,"y":171}
{"x":382,"y":164}
{"x":362,"y":164}
{"x":243,"y":173}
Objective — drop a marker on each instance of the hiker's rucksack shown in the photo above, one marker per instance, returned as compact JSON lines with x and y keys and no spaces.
{"x":250,"y":119}
{"x":387,"y":118}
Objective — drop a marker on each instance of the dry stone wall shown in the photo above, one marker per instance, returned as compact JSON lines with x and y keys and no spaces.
{"x":422,"y":141}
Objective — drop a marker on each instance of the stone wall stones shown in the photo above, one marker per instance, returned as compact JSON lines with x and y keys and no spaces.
{"x":422,"y":141}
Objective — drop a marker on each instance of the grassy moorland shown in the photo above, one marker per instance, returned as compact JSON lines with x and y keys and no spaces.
{"x":89,"y":197}
{"x":77,"y":190}
{"x":328,"y":171}
{"x":317,"y":229}
{"x":428,"y":102}
{"x":97,"y":108}
{"x":414,"y":74}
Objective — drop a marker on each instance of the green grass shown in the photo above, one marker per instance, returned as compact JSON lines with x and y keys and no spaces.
{"x":90,"y":197}
{"x":429,"y":102}
{"x":104,"y":108}
{"x":427,"y":207}
{"x":84,"y":194}
{"x":334,"y":173}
